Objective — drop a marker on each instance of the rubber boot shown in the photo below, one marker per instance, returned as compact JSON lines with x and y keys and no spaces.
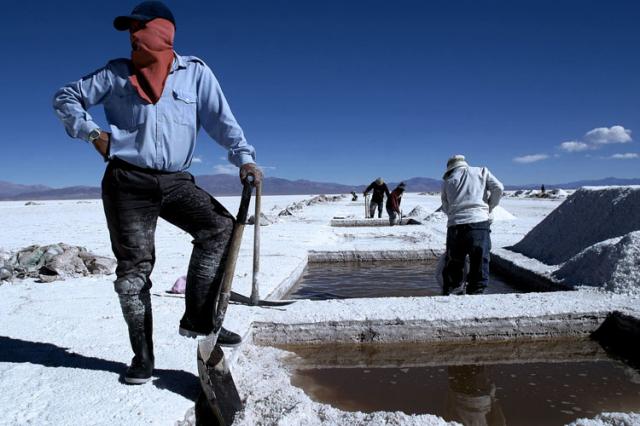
{"x":136,"y":309}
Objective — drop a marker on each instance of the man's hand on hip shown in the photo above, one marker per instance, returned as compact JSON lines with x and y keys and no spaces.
{"x":250,"y":169}
{"x":101,"y":144}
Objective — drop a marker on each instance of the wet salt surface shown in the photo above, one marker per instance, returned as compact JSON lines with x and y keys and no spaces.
{"x":321,"y":281}
{"x":527,"y":383}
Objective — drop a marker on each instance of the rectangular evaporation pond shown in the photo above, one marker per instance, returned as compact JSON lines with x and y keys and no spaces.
{"x":346,"y":280}
{"x":516,"y":383}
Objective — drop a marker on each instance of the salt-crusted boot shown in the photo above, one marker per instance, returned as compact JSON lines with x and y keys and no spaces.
{"x":137,"y":313}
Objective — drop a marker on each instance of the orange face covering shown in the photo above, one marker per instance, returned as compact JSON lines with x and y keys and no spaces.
{"x":152,"y":56}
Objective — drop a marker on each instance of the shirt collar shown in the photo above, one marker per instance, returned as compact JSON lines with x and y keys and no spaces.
{"x":178,"y":62}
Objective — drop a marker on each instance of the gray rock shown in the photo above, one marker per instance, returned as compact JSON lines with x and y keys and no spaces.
{"x":5,"y":273}
{"x":27,"y":261}
{"x":285,"y":212}
{"x":98,"y":264}
{"x":65,"y":265}
{"x":53,"y":262}
{"x":52,"y":251}
{"x":264,"y":220}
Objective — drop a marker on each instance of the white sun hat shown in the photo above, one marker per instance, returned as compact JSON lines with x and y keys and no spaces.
{"x":455,"y":162}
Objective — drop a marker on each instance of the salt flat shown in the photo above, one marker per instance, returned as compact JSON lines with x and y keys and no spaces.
{"x":63,"y":345}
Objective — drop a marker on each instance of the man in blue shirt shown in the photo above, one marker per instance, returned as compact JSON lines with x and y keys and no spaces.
{"x":155,"y":103}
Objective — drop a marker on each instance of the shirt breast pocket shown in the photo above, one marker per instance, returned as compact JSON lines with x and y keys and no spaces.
{"x":126,"y":112}
{"x":184,"y":107}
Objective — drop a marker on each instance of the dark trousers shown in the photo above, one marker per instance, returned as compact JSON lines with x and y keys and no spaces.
{"x":393,"y":216}
{"x":372,"y":208}
{"x":471,"y":240}
{"x":133,"y":199}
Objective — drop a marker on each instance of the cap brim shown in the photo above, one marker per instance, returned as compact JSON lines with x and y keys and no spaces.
{"x":123,"y":23}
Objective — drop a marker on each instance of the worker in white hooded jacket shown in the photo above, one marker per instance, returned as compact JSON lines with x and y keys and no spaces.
{"x":469,"y":195}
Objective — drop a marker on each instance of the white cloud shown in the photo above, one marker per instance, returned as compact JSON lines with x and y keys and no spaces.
{"x":530,"y":158}
{"x":574,"y":146}
{"x":608,"y":135}
{"x":196,"y":160}
{"x":626,"y":156}
{"x":597,"y":138}
{"x":225,"y":169}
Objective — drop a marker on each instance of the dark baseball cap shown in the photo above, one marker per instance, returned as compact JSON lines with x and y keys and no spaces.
{"x":144,"y":12}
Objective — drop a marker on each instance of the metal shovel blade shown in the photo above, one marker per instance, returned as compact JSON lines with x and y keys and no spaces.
{"x":219,"y":399}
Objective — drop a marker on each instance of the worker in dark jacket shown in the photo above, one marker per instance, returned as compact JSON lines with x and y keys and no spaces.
{"x":393,"y":204}
{"x":379,"y":189}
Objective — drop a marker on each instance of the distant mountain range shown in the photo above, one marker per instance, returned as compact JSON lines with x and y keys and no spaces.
{"x":8,"y":189}
{"x":221,"y":185}
{"x":609,"y":181}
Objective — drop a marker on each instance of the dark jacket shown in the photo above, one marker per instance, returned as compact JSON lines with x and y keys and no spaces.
{"x":379,"y":191}
{"x":394,"y":199}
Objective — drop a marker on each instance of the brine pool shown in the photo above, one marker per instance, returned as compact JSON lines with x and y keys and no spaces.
{"x":495,"y":383}
{"x":344,"y":280}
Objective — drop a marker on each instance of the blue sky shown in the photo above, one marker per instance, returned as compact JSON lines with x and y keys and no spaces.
{"x":348,"y":91}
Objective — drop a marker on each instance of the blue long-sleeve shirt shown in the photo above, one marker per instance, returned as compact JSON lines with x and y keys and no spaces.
{"x":159,"y":136}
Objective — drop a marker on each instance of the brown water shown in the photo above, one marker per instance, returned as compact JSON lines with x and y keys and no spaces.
{"x":528,"y":383}
{"x":321,"y":281}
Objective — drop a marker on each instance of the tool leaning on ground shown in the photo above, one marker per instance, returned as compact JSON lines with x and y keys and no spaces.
{"x":255,"y":293}
{"x":219,"y":400}
{"x":254,"y":299}
{"x":366,"y":206}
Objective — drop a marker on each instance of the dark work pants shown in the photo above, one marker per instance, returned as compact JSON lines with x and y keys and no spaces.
{"x":372,"y":208}
{"x":393,"y":216}
{"x":133,"y":199}
{"x":471,"y":240}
